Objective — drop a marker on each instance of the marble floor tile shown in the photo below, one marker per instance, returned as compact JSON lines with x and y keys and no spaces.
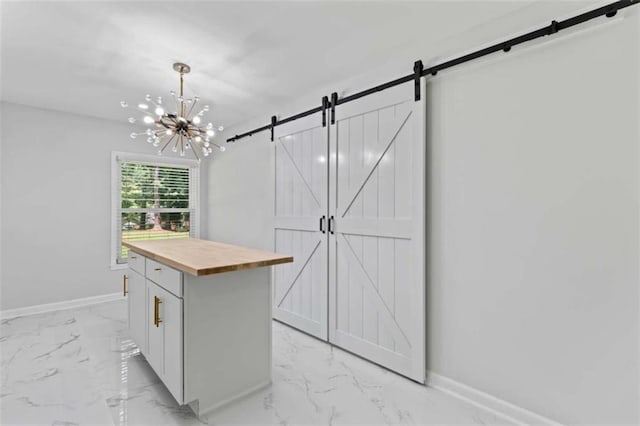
{"x":81,"y":367}
{"x":46,"y":373}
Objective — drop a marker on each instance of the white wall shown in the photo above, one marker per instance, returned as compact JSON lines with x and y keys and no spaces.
{"x":534,"y":227}
{"x":56,"y":180}
{"x":240,"y":198}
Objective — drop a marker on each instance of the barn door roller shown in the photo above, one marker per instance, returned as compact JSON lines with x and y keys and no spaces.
{"x":325,"y":105}
{"x":417,"y":73}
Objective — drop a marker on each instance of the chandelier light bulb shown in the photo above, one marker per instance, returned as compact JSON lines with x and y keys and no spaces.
{"x":222,"y":148}
{"x":175,"y":126}
{"x":221,"y":128}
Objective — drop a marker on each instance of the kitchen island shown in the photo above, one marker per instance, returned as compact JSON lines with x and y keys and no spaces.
{"x":200,"y":312}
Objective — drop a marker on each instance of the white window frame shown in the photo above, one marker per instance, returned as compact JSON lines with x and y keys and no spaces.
{"x":118,"y":157}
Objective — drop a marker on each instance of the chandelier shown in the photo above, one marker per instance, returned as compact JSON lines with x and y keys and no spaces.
{"x":181,"y":131}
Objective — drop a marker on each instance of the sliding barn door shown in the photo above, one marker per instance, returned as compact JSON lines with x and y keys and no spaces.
{"x":301,"y":175}
{"x":376,"y":245}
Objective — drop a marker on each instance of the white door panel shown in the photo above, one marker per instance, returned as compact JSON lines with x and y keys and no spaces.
{"x":171,"y":316}
{"x":301,"y":173}
{"x":376,"y":249}
{"x":137,"y":303}
{"x":155,"y":337}
{"x":165,"y":337}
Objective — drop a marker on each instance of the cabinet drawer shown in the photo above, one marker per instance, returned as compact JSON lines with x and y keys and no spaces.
{"x":166,"y":277}
{"x":136,"y":262}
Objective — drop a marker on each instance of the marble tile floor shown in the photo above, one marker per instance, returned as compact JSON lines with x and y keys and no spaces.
{"x":80,"y":367}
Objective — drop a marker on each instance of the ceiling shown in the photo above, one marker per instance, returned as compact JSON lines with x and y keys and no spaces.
{"x":247,"y":58}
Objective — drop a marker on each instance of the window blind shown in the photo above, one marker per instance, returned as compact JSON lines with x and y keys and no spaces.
{"x":156,"y":202}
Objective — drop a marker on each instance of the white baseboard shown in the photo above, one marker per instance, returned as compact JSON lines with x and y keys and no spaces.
{"x":59,"y":306}
{"x":501,"y":408}
{"x":215,"y":406}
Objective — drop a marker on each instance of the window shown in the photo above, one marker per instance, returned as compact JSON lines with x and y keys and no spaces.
{"x":152,"y":199}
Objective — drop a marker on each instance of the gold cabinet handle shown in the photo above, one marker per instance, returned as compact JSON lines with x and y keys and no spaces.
{"x":124,"y":285}
{"x":156,"y":311}
{"x":157,"y":269}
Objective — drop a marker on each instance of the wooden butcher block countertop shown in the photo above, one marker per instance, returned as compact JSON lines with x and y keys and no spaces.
{"x":203,"y":257}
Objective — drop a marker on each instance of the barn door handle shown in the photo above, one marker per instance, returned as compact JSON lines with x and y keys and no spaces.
{"x":322,"y":224}
{"x":331,"y":223}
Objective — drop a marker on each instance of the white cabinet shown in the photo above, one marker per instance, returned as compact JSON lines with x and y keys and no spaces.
{"x":208,"y":338}
{"x":164,"y":321}
{"x":156,"y":320}
{"x":137,"y":309}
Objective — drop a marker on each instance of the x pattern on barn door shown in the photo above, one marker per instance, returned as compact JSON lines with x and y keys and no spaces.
{"x":300,"y":288}
{"x":362,"y":285}
{"x":376,"y":253}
